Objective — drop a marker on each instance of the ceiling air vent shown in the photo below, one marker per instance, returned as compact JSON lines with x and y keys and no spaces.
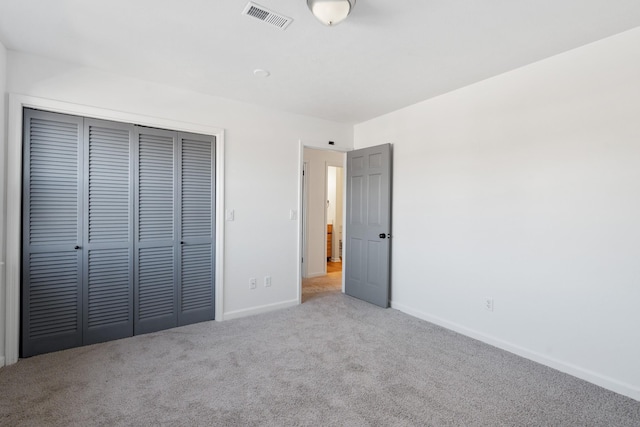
{"x":266,"y":15}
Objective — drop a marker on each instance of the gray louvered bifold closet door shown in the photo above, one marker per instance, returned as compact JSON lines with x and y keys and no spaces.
{"x":195,"y":293}
{"x":118,"y":234}
{"x":155,"y":295}
{"x":108,"y":262}
{"x":52,"y":233}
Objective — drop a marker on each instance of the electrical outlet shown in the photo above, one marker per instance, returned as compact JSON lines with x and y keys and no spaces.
{"x":488,"y":304}
{"x":267,"y":281}
{"x":252,"y":283}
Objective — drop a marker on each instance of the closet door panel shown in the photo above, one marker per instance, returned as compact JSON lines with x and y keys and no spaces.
{"x":156,"y":293}
{"x":52,"y":232}
{"x":108,"y":296}
{"x":155,"y":297}
{"x":156,"y":187}
{"x":196,"y":296}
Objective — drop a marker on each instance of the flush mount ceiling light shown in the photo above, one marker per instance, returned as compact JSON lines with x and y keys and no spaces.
{"x":331,"y":12}
{"x":259,"y":72}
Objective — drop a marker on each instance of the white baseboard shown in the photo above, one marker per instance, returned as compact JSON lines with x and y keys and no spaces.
{"x":593,"y":377}
{"x":337,"y":259}
{"x":259,"y":310}
{"x":2,"y":324}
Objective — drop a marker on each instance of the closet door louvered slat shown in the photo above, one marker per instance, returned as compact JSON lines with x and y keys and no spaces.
{"x":195,"y":297}
{"x":52,"y":230}
{"x":108,"y":296}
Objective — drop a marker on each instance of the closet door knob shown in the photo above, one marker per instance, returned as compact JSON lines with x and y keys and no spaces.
{"x":77,"y":247}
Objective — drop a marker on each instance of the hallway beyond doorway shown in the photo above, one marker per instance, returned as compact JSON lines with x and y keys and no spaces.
{"x":318,"y":286}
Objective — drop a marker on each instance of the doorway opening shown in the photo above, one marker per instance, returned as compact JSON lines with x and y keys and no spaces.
{"x":334,"y":224}
{"x":322,"y":222}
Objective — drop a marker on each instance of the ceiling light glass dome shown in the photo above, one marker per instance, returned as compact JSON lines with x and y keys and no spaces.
{"x":331,"y":12}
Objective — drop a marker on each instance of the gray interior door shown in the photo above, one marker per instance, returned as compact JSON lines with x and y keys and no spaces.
{"x":368,"y":224}
{"x":52,"y":232}
{"x":155,"y":294}
{"x":108,"y":235}
{"x":195,"y":289}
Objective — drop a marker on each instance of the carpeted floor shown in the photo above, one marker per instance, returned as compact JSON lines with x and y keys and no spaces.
{"x":317,"y":286}
{"x":333,"y":361}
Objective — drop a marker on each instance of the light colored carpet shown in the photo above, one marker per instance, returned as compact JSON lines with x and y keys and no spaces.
{"x":318,"y":286}
{"x":333,"y":361}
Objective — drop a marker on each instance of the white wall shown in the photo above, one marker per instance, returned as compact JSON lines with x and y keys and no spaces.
{"x":526,"y":188}
{"x":331,"y":194}
{"x":261,"y":166}
{"x":3,"y":150}
{"x":315,"y":254}
{"x":337,"y":224}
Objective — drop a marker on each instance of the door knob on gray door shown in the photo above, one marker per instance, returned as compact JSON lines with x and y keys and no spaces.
{"x":384,"y":236}
{"x":77,"y":247}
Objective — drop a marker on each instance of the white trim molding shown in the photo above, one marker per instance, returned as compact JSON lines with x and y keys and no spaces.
{"x":14,"y":196}
{"x":237,"y":314}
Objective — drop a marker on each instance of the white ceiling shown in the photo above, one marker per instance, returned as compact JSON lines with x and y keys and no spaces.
{"x":387,"y":54}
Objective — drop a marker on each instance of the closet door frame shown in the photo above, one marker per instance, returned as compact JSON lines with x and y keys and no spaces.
{"x":16,"y":106}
